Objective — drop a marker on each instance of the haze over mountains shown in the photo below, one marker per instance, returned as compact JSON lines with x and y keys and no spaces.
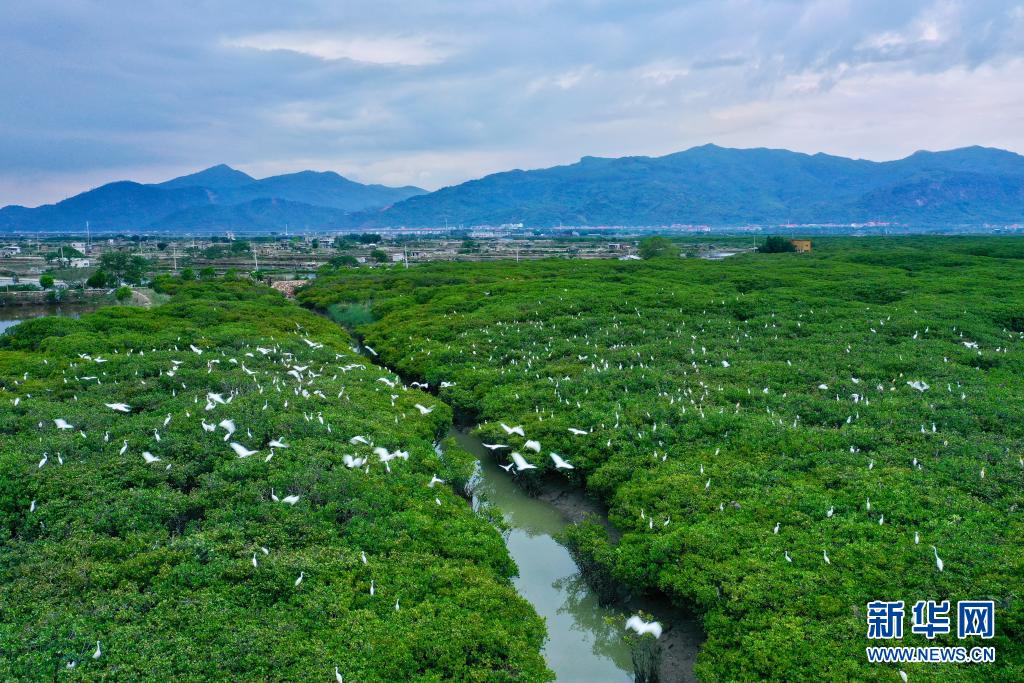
{"x":704,"y":185}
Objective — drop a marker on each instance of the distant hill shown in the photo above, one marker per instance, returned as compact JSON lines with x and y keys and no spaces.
{"x":704,"y":185}
{"x":720,"y":186}
{"x":215,"y":199}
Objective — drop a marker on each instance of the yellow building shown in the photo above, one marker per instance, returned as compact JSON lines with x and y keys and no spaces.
{"x":802,"y":246}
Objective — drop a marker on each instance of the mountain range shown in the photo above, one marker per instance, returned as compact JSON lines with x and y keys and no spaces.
{"x":702,"y":185}
{"x":218,"y":198}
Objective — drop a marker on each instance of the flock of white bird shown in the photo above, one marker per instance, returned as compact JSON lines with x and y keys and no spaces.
{"x":278,"y":372}
{"x":521,"y":350}
{"x":695,"y":394}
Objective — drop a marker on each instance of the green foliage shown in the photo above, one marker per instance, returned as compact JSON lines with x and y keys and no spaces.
{"x":379,"y":255}
{"x":97,"y":280}
{"x":188,"y":274}
{"x":698,"y":460}
{"x":657,"y":246}
{"x":46,"y":281}
{"x":155,"y":560}
{"x":123,"y":267}
{"x":64,"y":251}
{"x":207,"y":273}
{"x":351,"y":315}
{"x":776,"y":244}
{"x":123,"y":293}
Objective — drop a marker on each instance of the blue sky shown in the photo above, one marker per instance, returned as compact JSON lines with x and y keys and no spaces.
{"x":433,"y":93}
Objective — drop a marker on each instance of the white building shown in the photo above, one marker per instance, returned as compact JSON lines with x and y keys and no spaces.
{"x":10,"y":251}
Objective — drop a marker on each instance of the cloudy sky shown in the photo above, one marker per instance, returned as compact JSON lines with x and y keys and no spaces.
{"x":431,"y":93}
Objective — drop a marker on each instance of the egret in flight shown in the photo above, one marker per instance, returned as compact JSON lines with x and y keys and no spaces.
{"x":636,"y":623}
{"x":560,"y":462}
{"x":521,"y":463}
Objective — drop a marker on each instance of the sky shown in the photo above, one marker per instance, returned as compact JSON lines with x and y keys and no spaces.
{"x":432,"y":93}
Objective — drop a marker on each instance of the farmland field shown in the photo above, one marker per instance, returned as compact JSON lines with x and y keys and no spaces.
{"x":780,"y":438}
{"x":220,"y":488}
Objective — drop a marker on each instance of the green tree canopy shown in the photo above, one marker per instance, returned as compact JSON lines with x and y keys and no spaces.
{"x":776,"y":244}
{"x":657,"y":246}
{"x":123,"y":266}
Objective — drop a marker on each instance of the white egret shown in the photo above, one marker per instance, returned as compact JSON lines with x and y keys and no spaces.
{"x":241,"y":450}
{"x":435,"y":480}
{"x":637,"y":624}
{"x":149,"y":457}
{"x":495,"y":446}
{"x":513,"y":430}
{"x":119,"y":407}
{"x":423,"y":409}
{"x":938,"y":560}
{"x":560,"y":462}
{"x":291,"y":500}
{"x":521,"y":463}
{"x":63,"y":424}
{"x":98,"y":652}
{"x":302,"y":575}
{"x":532,"y":445}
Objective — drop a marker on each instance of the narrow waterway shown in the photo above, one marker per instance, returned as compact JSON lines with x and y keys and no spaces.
{"x":585,"y":640}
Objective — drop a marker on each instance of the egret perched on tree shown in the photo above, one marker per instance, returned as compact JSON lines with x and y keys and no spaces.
{"x":63,"y":424}
{"x":938,"y":560}
{"x":291,"y":500}
{"x":98,"y":652}
{"x":302,"y":575}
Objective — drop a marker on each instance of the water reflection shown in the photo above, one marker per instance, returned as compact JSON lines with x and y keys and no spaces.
{"x":12,"y":315}
{"x":585,"y":639}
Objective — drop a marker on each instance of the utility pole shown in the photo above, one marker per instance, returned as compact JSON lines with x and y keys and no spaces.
{"x":174,"y":255}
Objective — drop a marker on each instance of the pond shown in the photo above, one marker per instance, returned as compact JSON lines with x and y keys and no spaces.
{"x":12,"y":315}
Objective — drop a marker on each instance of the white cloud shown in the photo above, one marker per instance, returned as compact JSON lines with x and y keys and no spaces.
{"x":381,"y":50}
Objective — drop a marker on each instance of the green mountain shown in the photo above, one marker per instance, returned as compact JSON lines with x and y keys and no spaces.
{"x":720,"y":186}
{"x":215,"y":199}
